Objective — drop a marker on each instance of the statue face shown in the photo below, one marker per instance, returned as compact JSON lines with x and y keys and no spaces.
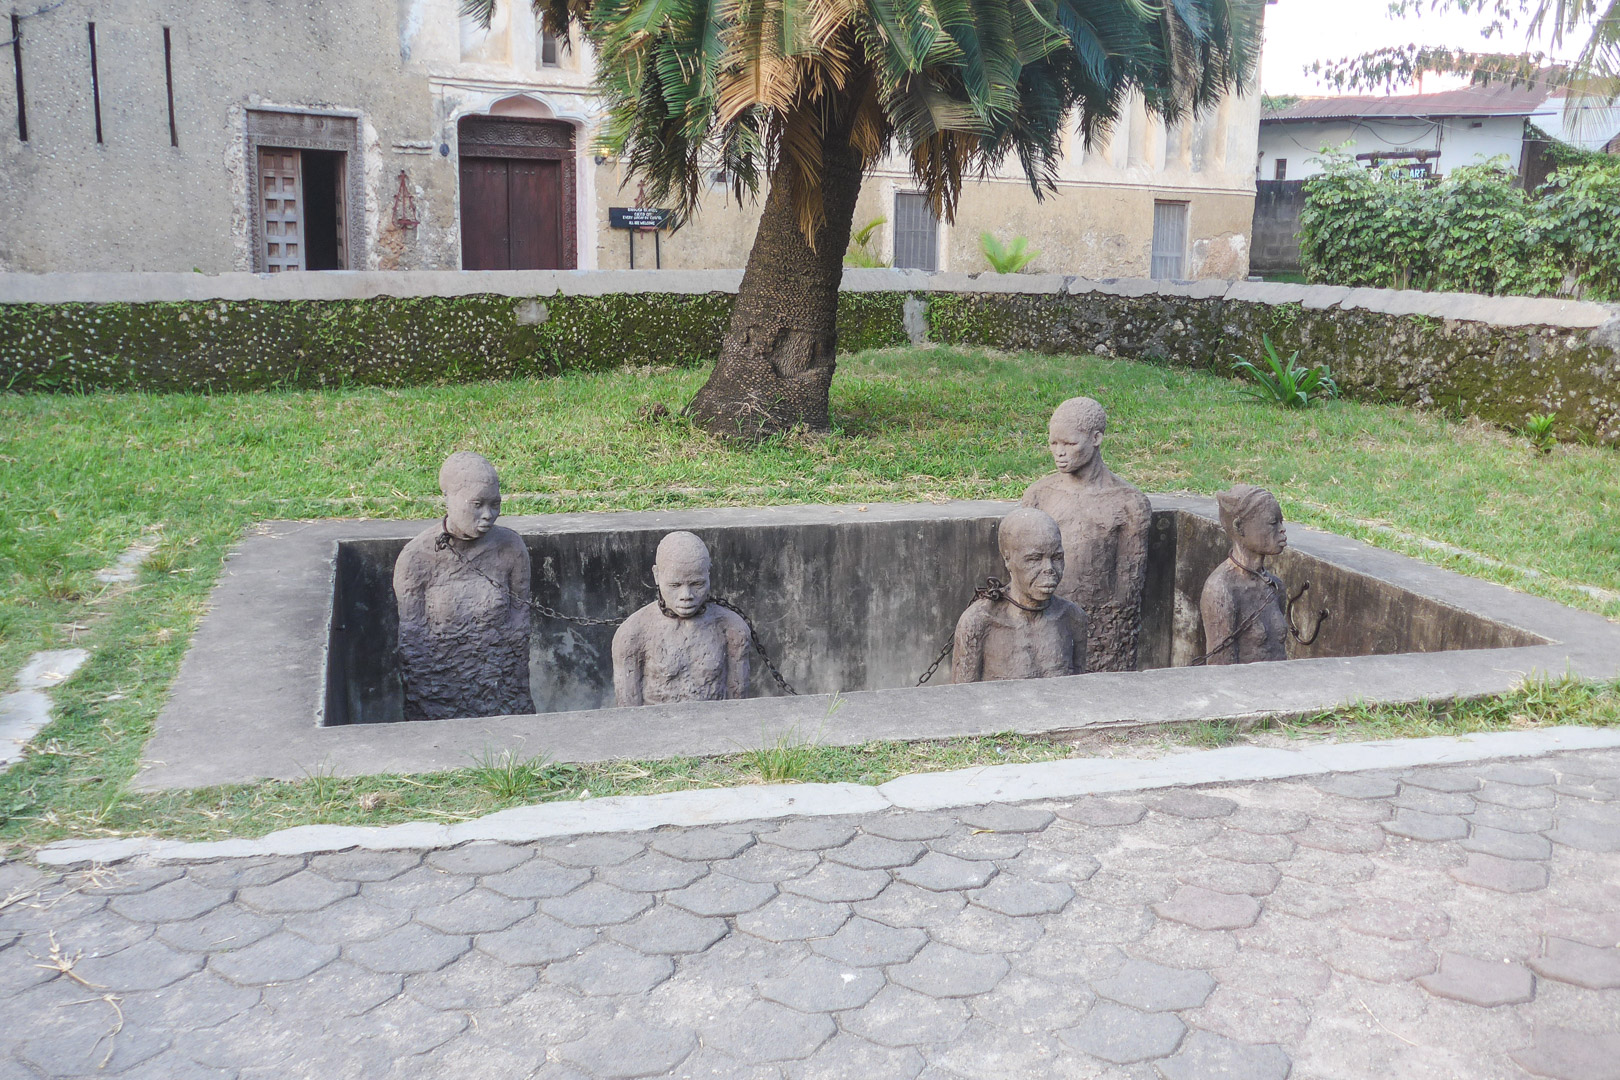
{"x":470,"y":512}
{"x":1262,"y":531}
{"x":1073,"y":447}
{"x":1036,"y":567}
{"x":684,"y":585}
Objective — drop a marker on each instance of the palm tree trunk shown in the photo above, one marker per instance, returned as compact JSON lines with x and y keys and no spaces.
{"x":776,"y":362}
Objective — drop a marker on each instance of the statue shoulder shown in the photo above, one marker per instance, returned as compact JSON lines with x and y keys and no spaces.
{"x":507,"y":541}
{"x":417,"y":553}
{"x":976,"y":617}
{"x":636,"y":626}
{"x":1068,"y":609}
{"x":1039,"y":490}
{"x":729,"y":620}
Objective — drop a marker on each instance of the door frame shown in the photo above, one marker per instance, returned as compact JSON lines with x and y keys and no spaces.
{"x":521,"y":137}
{"x":300,"y":129}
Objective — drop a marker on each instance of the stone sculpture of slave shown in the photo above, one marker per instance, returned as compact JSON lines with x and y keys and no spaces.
{"x":1028,"y":632}
{"x":463,"y":593}
{"x":680,"y":647}
{"x":1105,"y":523}
{"x":1243,"y":605}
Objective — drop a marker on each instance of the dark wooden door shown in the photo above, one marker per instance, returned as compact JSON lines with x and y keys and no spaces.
{"x":511,"y":214}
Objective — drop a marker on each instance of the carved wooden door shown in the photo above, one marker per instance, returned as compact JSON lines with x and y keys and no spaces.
{"x":281,"y":203}
{"x":511,"y":214}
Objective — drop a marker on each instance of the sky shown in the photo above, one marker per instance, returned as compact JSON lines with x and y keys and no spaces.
{"x":1299,"y":32}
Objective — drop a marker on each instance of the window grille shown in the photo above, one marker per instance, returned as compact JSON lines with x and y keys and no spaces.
{"x":916,"y":232}
{"x":1169,"y":240}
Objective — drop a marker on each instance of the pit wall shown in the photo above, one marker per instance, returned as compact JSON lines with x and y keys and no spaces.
{"x":1499,"y":358}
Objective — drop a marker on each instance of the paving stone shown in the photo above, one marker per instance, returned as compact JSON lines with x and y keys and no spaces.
{"x":1359,"y":811}
{"x":593,"y":851}
{"x":1328,"y":867}
{"x":1486,"y":983}
{"x":1239,"y":846}
{"x":1578,"y":964}
{"x":981,"y":845}
{"x":1501,"y":875}
{"x":477,"y":912}
{"x":626,"y":1049}
{"x":848,"y":1057}
{"x":865,"y":943}
{"x":765,"y":1031}
{"x":129,"y":878}
{"x":1098,"y":812}
{"x":1124,"y":1036}
{"x":904,"y":825}
{"x":1267,"y":820}
{"x":899,"y":1017}
{"x":793,"y":918}
{"x":220,"y":930}
{"x":354,"y":919}
{"x":145,"y":966}
{"x":1007,"y":818}
{"x":907,"y":905}
{"x":667,"y":931}
{"x":1193,"y":804}
{"x":479,"y":858}
{"x":1364,"y":785}
{"x":398,"y":1029}
{"x":1051,"y":864}
{"x":281,"y":957}
{"x":1273,"y":975}
{"x":1025,"y":1003}
{"x":981,"y":930}
{"x":820,"y":985}
{"x":538,"y":939}
{"x":1433,"y":802}
{"x":1599,"y":929}
{"x":1527,"y":775}
{"x":1208,"y":910}
{"x":1205,"y":1056}
{"x":100,"y":934}
{"x":1416,"y":825}
{"x":877,"y":853}
{"x":1380,"y":959}
{"x":944,"y":971}
{"x":603,"y":905}
{"x":1223,"y":875}
{"x":419,"y":888}
{"x":609,"y":968}
{"x":80,"y":1042}
{"x":1397,"y":920}
{"x":230,"y":874}
{"x":1586,"y":835}
{"x":1178,"y":945}
{"x":171,"y":1065}
{"x":1172,"y":831}
{"x":1155,"y":987}
{"x":944,"y":873}
{"x":1020,"y":896}
{"x":702,"y":845}
{"x":1252,"y":1019}
{"x":475,"y":981}
{"x":336,"y":992}
{"x":721,"y":894}
{"x":364,"y":865}
{"x":409,"y":950}
{"x":1510,"y":819}
{"x":539,"y":879}
{"x":1516,"y":796}
{"x":1602,"y":813}
{"x":832,"y":883}
{"x":810,"y":834}
{"x":1568,"y":1054}
{"x":1507,"y":845}
{"x":303,"y":891}
{"x":173,"y":901}
{"x":1584,"y":790}
{"x":769,"y":864}
{"x":1442,"y":780}
{"x":652,"y":872}
{"x":1103,"y":924}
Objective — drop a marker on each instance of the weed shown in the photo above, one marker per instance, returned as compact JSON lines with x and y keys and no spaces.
{"x":1009,"y":259}
{"x":1539,"y":430}
{"x":508,"y":777}
{"x":1210,"y":733}
{"x":861,"y":253}
{"x":1288,"y":383}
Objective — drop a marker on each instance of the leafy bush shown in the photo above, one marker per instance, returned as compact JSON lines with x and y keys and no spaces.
{"x":1009,"y":259}
{"x":861,"y":253}
{"x":1289,"y":383}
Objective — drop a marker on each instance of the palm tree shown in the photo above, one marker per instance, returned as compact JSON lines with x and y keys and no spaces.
{"x":809,"y":95}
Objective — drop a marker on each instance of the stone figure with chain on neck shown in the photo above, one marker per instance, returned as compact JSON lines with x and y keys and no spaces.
{"x":462,"y":588}
{"x":680,"y":647}
{"x":1105,"y":523}
{"x":1022,"y":630}
{"x":1243,"y":605}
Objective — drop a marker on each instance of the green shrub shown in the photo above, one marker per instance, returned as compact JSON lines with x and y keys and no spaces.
{"x":1009,"y":259}
{"x":1289,"y":383}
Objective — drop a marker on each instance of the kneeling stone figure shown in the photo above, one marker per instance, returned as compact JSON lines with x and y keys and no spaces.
{"x":680,"y":647}
{"x":1029,"y":632}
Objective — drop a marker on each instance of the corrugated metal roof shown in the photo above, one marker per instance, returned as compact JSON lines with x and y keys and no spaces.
{"x":1493,"y":99}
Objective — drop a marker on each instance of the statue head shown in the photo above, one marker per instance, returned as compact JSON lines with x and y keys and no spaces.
{"x":1032,"y":549}
{"x":1252,"y":518}
{"x":472,"y":494}
{"x":681,"y":569}
{"x":1075,"y":433}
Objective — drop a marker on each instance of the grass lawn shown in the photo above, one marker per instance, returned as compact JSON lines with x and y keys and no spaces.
{"x":83,"y":477}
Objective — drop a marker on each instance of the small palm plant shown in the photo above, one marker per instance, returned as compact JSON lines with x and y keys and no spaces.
{"x":1289,"y":383}
{"x":861,"y":253}
{"x":1009,"y":259}
{"x":1539,"y":430}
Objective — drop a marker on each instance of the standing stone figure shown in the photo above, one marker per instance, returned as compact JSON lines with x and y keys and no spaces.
{"x":1105,"y":523}
{"x":680,"y":647}
{"x":1028,"y":632}
{"x":1244,"y":604}
{"x":463,"y":593}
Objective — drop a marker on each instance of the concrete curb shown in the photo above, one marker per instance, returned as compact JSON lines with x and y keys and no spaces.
{"x":927,"y":791}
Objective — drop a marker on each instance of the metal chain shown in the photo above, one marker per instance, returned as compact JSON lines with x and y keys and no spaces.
{"x":759,"y":646}
{"x":992,"y":589}
{"x":950,"y":643}
{"x":1288,"y":617}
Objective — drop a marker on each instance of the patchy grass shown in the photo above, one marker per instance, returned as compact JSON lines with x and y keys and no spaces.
{"x":83,"y":477}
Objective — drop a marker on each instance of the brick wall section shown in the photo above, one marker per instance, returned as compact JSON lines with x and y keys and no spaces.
{"x":1275,"y":247}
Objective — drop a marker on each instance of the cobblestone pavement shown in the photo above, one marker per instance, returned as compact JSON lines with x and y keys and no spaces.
{"x":1445,"y":922}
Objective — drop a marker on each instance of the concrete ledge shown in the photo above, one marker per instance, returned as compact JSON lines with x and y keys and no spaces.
{"x":928,"y":791}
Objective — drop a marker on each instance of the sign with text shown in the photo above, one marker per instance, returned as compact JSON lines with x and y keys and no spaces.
{"x":637,"y":217}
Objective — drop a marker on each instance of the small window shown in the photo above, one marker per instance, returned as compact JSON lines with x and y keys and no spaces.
{"x":549,"y":50}
{"x":1169,"y":240}
{"x":1282,"y":169}
{"x":916,"y":232}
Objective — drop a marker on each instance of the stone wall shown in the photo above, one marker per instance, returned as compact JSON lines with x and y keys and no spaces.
{"x":1501,"y":358}
{"x":1275,"y":247}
